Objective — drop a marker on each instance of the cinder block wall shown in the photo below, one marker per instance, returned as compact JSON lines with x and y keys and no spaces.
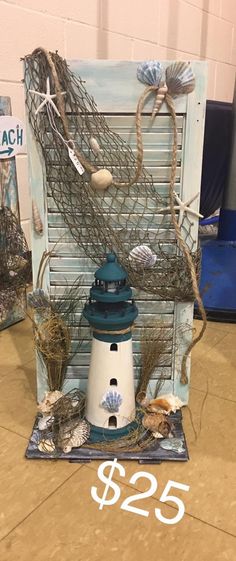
{"x":115,"y":29}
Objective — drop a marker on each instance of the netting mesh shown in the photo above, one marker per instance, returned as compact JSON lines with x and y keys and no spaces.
{"x":15,"y":265}
{"x":119,"y":218}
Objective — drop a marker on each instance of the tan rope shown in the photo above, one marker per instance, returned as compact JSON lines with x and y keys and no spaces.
{"x":184,"y":379}
{"x":121,"y":332}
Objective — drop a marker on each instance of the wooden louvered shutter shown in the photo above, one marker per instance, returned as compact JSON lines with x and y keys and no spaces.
{"x":116,"y":89}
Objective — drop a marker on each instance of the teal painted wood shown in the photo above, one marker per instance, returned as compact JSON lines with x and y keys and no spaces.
{"x":9,"y":198}
{"x":116,"y":89}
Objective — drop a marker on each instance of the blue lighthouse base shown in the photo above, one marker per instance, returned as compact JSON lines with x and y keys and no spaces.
{"x":99,"y":434}
{"x":218,"y":279}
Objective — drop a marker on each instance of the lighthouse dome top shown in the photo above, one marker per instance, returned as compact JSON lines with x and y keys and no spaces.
{"x":111,"y":271}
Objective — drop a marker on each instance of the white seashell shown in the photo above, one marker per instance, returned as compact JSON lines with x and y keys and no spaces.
{"x":37,"y":222}
{"x":78,"y":436}
{"x":173,"y":444}
{"x":150,"y":72}
{"x":45,"y":421}
{"x":46,"y":446}
{"x":101,"y":180}
{"x":180,"y":78}
{"x":142,"y":256}
{"x":49,"y":399}
{"x":161,"y":94}
{"x":111,"y":401}
{"x":95,"y":146}
{"x":166,"y":404}
{"x":157,"y":435}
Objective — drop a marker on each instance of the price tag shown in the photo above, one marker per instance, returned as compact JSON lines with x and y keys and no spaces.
{"x":75,"y":161}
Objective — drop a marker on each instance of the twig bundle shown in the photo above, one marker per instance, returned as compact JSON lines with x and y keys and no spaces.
{"x":154,"y":345}
{"x":52,"y":323}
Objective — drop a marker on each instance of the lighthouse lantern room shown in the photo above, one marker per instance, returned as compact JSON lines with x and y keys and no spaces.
{"x":111,"y":312}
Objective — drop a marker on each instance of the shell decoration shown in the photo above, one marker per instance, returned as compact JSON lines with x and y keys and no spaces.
{"x":157,"y":422}
{"x":37,"y":222}
{"x":166,"y":404}
{"x":38,"y":299}
{"x":151,"y":72}
{"x":48,"y":401}
{"x":111,"y":401}
{"x":142,"y":256}
{"x":45,"y":422}
{"x":180,"y":78}
{"x":173,"y":444}
{"x":161,"y":94}
{"x":76,"y":438}
{"x":95,"y":146}
{"x":101,"y":179}
{"x":46,"y":446}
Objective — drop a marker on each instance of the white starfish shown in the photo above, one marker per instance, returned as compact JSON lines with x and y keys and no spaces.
{"x":183,"y":207}
{"x":47,"y":98}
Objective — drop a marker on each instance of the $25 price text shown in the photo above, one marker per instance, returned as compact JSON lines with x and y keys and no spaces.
{"x":127,"y":503}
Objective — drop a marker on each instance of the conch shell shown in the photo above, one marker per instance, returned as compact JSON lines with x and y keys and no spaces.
{"x":157,"y":423}
{"x":165,"y":404}
{"x":161,"y":94}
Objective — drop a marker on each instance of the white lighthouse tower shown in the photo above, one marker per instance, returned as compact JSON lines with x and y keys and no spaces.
{"x":111,"y":313}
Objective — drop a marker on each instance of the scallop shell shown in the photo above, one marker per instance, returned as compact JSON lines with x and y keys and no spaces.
{"x":37,"y":222}
{"x":150,"y":72}
{"x":180,"y":78}
{"x":142,"y":256}
{"x":46,"y":446}
{"x":76,"y":438}
{"x":111,"y":401}
{"x":157,"y":423}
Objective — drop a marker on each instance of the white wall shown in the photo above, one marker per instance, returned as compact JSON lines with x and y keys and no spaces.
{"x":116,"y":29}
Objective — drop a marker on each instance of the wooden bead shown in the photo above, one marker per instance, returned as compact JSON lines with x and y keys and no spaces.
{"x":101,"y":179}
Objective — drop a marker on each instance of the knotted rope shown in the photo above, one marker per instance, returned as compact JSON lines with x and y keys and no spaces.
{"x":182,"y":244}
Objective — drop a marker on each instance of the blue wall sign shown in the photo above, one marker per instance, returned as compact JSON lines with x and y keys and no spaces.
{"x":12,"y":136}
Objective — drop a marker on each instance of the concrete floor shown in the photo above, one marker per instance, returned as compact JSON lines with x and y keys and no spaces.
{"x":46,"y":509}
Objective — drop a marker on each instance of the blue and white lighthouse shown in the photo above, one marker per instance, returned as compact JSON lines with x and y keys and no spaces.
{"x":111,"y":312}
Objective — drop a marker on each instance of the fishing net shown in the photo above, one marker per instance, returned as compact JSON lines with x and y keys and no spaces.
{"x":119,"y":218}
{"x":15,"y":267}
